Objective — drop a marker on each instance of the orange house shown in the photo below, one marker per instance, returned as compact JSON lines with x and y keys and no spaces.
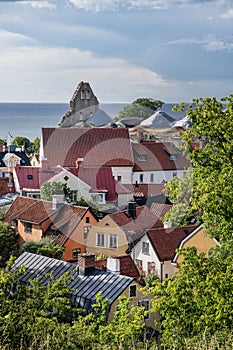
{"x":67,"y":225}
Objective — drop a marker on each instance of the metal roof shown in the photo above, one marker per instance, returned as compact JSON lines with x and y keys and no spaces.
{"x":85,"y":288}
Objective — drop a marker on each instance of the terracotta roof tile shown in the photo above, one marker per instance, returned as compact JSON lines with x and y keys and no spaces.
{"x":28,"y":177}
{"x":156,"y":156}
{"x":98,"y":146}
{"x":166,"y":241}
{"x":159,"y":210}
{"x":134,"y":228}
{"x":146,"y":190}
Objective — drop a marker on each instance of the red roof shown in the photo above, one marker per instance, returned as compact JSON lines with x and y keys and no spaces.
{"x":153,"y":156}
{"x":134,"y":228}
{"x":28,"y":177}
{"x":166,"y":241}
{"x":159,"y":210}
{"x":100,"y":180}
{"x":98,"y":146}
{"x":145,"y":190}
{"x":127,"y":266}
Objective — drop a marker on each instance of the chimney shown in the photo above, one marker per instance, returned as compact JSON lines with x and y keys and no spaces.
{"x":113,"y":265}
{"x":86,"y":263}
{"x":132,"y":209}
{"x":167,"y":224}
{"x":44,"y":164}
{"x":79,"y":162}
{"x":57,"y":201}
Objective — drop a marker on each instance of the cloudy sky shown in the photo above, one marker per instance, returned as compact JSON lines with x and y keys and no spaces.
{"x":172,"y":50}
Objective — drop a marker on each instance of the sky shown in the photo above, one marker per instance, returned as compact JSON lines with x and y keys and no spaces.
{"x":170,"y":50}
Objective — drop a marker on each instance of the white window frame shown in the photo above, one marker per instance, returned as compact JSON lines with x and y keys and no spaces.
{"x":100,"y":242}
{"x":145,"y":251}
{"x":114,"y":238}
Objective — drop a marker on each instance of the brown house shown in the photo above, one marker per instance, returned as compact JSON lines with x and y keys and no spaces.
{"x":67,"y":225}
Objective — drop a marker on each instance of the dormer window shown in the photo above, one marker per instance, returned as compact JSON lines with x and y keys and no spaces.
{"x":142,"y":157}
{"x":172,"y":157}
{"x":14,"y":223}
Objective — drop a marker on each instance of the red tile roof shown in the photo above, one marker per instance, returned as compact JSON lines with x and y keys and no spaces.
{"x":28,"y":177}
{"x":157,"y":156}
{"x":98,"y":146}
{"x":145,"y":190}
{"x":100,"y":180}
{"x":159,"y":210}
{"x":166,"y":241}
{"x":127,"y":266}
{"x":134,"y":228}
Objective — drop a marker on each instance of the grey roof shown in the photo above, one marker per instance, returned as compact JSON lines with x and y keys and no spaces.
{"x":85,"y":288}
{"x":184,"y":123}
{"x":158,"y":120}
{"x":131,"y":121}
{"x":100,"y":118}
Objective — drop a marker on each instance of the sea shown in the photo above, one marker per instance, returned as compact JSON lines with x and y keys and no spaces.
{"x":27,"y":119}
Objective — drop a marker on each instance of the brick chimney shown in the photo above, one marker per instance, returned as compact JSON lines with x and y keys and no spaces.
{"x":86,"y":263}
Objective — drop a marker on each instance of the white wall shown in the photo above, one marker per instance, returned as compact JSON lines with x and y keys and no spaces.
{"x":126,"y":174}
{"x":158,"y":176}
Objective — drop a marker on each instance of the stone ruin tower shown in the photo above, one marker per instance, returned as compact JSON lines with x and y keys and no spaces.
{"x":83,"y":105}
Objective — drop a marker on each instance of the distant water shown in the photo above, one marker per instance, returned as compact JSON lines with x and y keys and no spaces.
{"x":27,"y":119}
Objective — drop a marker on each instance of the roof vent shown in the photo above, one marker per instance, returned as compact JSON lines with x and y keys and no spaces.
{"x":113,"y":265}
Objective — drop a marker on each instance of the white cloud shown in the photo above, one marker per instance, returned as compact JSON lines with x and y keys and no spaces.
{"x":12,"y":38}
{"x":228,"y":14}
{"x":51,"y":74}
{"x":218,"y":45}
{"x":39,"y":4}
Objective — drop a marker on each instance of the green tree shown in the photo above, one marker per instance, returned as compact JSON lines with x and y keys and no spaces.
{"x":142,"y":108}
{"x":8,"y":245}
{"x":197,"y":300}
{"x":48,"y":189}
{"x":20,"y":141}
{"x":44,"y":246}
{"x":213,"y":162}
{"x":35,"y":146}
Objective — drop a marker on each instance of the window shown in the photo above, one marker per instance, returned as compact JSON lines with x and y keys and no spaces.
{"x":141,"y":178}
{"x":27,"y":227}
{"x":86,"y":229}
{"x":146,"y":305}
{"x":133,"y":290}
{"x":142,"y":157}
{"x":151,"y":267}
{"x":98,"y":198}
{"x":76,"y":252}
{"x":88,"y":94}
{"x":87,"y":220}
{"x":138,"y":264}
{"x":100,"y":241}
{"x":82,"y":94}
{"x":113,"y":241}
{"x":174,"y":174}
{"x":30,"y":177}
{"x":14,"y":223}
{"x":145,"y":247}
{"x":166,"y":275}
{"x":119,"y":178}
{"x":66,"y":178}
{"x":55,"y":232}
{"x":172,"y":157}
{"x":151,"y":177}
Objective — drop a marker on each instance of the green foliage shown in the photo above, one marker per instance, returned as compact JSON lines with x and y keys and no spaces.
{"x":35,"y":146}
{"x":44,"y":246}
{"x":42,"y":317}
{"x":20,"y":141}
{"x":180,"y":192}
{"x":7,"y":243}
{"x":48,"y":189}
{"x":213,"y":164}
{"x":197,"y":300}
{"x":142,"y":108}
{"x":94,"y":207}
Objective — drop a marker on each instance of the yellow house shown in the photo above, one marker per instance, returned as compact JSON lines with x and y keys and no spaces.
{"x":198,"y":239}
{"x":115,"y":233}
